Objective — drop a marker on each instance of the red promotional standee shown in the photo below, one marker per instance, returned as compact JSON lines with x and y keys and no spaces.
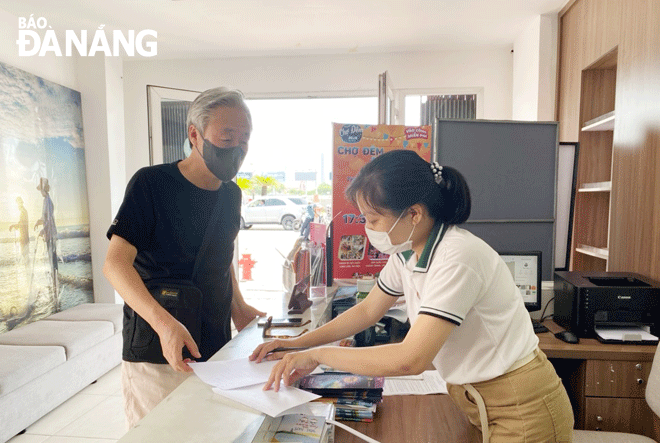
{"x":353,"y":147}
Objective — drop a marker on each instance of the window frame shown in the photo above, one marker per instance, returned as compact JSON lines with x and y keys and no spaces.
{"x":478,"y":91}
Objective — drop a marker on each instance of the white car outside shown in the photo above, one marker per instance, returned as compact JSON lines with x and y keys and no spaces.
{"x":285,"y":211}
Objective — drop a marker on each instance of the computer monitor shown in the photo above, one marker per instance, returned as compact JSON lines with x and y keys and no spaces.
{"x":525,"y":268}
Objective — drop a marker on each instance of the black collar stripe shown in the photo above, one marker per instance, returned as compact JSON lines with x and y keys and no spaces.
{"x":440,"y":311}
{"x":402,"y":258}
{"x":450,"y":320}
{"x":383,"y":287}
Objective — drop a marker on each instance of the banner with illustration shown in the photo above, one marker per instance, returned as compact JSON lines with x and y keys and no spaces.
{"x":45,"y":253}
{"x":353,"y":147}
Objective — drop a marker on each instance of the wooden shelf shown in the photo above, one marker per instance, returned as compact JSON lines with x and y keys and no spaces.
{"x":596,"y":187}
{"x":593,"y":251}
{"x":604,"y":122}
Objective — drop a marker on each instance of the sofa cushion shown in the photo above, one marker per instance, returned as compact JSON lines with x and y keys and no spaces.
{"x":75,"y":336}
{"x":93,"y":311}
{"x":22,"y":364}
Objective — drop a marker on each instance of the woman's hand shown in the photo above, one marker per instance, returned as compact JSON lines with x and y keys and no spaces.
{"x":293,"y":366}
{"x":265,"y":350}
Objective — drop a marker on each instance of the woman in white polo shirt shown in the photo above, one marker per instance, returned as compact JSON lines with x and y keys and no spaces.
{"x":467,"y":316}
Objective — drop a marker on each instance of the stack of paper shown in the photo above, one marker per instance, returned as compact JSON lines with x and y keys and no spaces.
{"x":630,"y":334}
{"x":242,"y":381}
{"x":429,"y":382}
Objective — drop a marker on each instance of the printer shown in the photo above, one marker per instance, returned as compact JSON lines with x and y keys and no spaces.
{"x":587,"y":303}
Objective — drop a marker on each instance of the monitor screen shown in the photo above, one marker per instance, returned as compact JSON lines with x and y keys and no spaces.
{"x":525,"y":268}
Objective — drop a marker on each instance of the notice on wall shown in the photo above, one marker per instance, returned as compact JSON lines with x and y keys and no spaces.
{"x":353,"y":147}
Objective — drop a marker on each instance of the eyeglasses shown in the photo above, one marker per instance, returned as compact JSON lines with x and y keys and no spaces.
{"x":269,"y":324}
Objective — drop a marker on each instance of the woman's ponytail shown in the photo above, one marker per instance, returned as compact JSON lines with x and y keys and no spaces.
{"x":453,"y":203}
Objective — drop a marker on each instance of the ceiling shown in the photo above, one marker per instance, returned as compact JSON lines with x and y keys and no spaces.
{"x":233,"y":28}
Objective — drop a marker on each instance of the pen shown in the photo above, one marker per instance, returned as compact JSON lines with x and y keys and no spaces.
{"x":287,"y":349}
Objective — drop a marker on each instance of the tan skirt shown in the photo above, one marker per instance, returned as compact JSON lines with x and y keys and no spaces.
{"x":527,"y":404}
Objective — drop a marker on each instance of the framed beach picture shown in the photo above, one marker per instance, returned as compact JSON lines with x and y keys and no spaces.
{"x":45,"y":254}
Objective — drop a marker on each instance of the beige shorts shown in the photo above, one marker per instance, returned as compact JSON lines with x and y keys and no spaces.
{"x":144,"y":385}
{"x":528,"y":404}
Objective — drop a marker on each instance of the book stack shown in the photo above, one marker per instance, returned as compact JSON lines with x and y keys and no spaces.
{"x":355,"y":396}
{"x":354,"y":410}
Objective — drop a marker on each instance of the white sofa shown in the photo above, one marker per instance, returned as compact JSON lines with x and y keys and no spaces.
{"x":44,"y":363}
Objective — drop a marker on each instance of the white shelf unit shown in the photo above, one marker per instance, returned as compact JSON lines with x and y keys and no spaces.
{"x":603,"y":122}
{"x":596,"y":187}
{"x":603,"y":253}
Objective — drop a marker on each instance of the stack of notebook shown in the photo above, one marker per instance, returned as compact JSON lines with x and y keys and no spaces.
{"x":354,"y":410}
{"x":355,"y":396}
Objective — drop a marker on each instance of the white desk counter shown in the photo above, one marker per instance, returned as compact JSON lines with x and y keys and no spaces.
{"x":194,"y":413}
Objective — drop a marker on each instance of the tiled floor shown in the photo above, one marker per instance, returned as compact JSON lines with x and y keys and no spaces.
{"x":94,"y":415}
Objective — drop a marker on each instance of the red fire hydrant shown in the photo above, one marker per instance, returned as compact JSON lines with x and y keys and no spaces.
{"x":246,"y":264}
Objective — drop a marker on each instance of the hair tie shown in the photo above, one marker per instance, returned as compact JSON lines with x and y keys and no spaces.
{"x":437,"y":172}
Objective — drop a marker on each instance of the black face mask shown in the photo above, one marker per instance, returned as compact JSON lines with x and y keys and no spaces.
{"x":224,"y":163}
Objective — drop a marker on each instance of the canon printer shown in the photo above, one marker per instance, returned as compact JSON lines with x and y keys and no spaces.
{"x":598,"y":304}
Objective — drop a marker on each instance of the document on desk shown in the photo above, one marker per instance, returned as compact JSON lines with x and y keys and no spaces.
{"x":232,"y":374}
{"x":429,"y":382}
{"x":269,"y":402}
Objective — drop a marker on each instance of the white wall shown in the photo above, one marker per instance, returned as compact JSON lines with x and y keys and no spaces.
{"x":526,"y":72}
{"x":103,"y":118}
{"x":548,"y":56}
{"x":335,"y":75}
{"x":535,"y":70}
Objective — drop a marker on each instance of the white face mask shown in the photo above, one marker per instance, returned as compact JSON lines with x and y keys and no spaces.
{"x":381,"y":240}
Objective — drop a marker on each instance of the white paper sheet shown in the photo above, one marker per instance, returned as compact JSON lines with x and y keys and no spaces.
{"x":633,"y":333}
{"x":269,"y":402}
{"x":429,"y":383}
{"x":232,"y":374}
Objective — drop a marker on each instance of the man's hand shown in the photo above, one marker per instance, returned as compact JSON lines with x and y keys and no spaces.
{"x":243,"y":314}
{"x":293,"y":367}
{"x":173,"y":337}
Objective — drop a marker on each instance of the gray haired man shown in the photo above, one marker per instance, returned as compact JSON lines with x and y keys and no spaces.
{"x":158,"y":231}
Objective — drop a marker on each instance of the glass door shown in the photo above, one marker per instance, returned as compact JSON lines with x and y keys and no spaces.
{"x":168,"y":109}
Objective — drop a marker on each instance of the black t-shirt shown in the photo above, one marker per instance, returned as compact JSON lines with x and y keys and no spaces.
{"x":165,"y":217}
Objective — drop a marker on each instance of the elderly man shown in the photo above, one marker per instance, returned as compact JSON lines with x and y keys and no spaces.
{"x":49,"y":233}
{"x":159,"y":231}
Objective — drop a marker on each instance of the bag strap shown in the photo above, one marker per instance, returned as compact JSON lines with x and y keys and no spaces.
{"x":206,"y":241}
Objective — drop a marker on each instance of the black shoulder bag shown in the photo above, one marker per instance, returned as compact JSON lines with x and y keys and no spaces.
{"x":181,"y":298}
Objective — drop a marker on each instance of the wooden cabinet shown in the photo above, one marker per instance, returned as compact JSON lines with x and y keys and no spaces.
{"x":590,"y":248}
{"x":606,"y":383}
{"x":631,"y":415}
{"x":614,"y":397}
{"x":617,"y":378}
{"x":607,"y":395}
